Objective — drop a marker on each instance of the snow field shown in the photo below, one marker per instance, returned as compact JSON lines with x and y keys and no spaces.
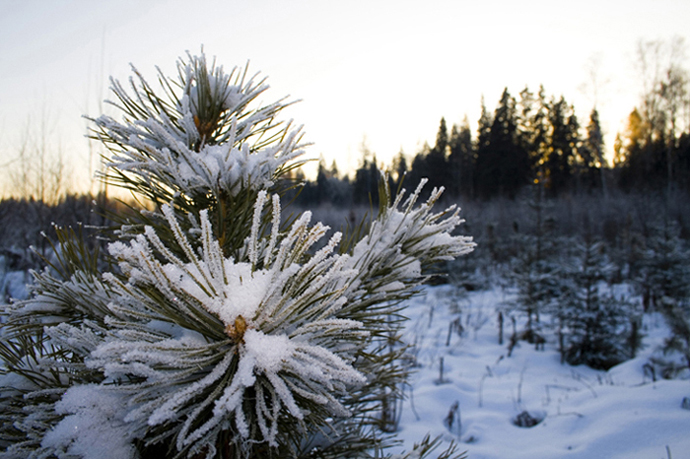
{"x":586,"y":413}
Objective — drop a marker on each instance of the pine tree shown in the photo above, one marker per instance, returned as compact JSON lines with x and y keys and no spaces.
{"x":211,"y":328}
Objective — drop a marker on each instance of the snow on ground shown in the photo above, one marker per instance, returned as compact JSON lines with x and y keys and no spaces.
{"x":586,"y":413}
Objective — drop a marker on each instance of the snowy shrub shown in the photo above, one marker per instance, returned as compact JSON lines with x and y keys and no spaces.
{"x":211,"y":327}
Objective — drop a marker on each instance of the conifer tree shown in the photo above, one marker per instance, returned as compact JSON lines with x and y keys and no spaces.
{"x":593,"y":322}
{"x":563,"y":146}
{"x":665,"y":268}
{"x":502,"y":165}
{"x":535,"y":272}
{"x":511,"y":159}
{"x":664,"y":281}
{"x":485,"y":167}
{"x":592,"y":155}
{"x":211,"y":327}
{"x":461,"y":160}
{"x":398,"y":170}
{"x":366,"y":178}
{"x":437,"y":159}
{"x":534,"y":129}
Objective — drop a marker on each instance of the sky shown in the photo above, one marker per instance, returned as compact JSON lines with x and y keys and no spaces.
{"x":379,"y":73}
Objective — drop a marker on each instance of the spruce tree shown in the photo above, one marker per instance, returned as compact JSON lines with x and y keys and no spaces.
{"x":593,"y":322}
{"x":592,"y":155}
{"x":665,"y":270}
{"x":664,"y":281}
{"x":210,"y":327}
{"x":486,"y":168}
{"x":437,"y":159}
{"x":398,"y":170}
{"x":536,"y":272}
{"x":534,"y":129}
{"x":563,"y":146}
{"x":512,"y":160}
{"x":461,"y":160}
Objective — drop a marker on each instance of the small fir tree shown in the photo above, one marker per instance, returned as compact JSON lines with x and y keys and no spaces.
{"x":535,"y":273}
{"x":665,"y":280}
{"x":665,"y":266}
{"x":677,"y":317}
{"x":212,"y":328}
{"x":593,"y":322}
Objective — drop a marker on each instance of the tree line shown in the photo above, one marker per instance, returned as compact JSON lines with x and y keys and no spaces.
{"x":530,"y":139}
{"x":536,"y":138}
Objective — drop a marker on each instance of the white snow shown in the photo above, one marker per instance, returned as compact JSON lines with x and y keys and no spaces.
{"x":91,"y":427}
{"x":268,"y":351}
{"x":587,"y":413}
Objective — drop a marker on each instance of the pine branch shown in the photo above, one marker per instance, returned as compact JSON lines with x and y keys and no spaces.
{"x":224,"y":330}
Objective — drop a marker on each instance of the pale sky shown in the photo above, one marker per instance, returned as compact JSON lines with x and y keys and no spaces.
{"x":386,"y":71}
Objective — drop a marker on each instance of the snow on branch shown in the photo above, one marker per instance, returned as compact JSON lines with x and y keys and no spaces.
{"x":218,"y":328}
{"x":226,"y":326}
{"x":205,"y":137}
{"x":402,"y":242}
{"x":265,"y":324}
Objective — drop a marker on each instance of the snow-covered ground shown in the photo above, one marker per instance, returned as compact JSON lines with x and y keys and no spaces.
{"x":586,"y":413}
